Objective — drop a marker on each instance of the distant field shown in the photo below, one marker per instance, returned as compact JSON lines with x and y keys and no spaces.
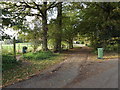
{"x":8,"y":48}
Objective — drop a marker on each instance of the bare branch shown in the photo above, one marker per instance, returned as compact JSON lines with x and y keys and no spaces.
{"x":52,"y":5}
{"x":33,"y":7}
{"x":30,"y":14}
{"x":37,"y":4}
{"x":28,"y":6}
{"x":34,"y":15}
{"x":38,"y":8}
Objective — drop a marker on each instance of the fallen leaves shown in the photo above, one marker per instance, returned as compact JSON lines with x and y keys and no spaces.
{"x":27,"y":70}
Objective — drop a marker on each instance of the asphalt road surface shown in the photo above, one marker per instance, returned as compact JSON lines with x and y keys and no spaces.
{"x":107,"y":78}
{"x":77,"y":71}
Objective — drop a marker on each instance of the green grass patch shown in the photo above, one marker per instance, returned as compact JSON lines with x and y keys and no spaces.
{"x":39,"y":55}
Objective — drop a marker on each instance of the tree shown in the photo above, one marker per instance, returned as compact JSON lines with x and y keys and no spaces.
{"x":99,"y":22}
{"x":33,"y":34}
{"x":58,"y":38}
{"x":8,"y":22}
{"x":27,"y":9}
{"x":70,"y":22}
{"x":69,"y":30}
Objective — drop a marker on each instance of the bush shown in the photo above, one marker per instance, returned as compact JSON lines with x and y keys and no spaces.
{"x":111,"y":48}
{"x":8,"y":62}
{"x":82,"y":42}
{"x":38,"y":55}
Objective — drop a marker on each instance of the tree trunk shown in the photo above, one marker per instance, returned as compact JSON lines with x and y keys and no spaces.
{"x":44,"y":27}
{"x":14,"y":47}
{"x":70,"y":43}
{"x":57,"y":47}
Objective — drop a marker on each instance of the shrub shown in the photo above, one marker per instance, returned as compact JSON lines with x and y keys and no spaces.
{"x":8,"y":62}
{"x":38,"y":55}
{"x":111,"y":48}
{"x":82,"y":42}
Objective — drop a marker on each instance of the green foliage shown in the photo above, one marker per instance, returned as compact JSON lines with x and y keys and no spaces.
{"x":32,"y":35}
{"x":99,"y":22}
{"x":39,"y":55}
{"x":82,"y":42}
{"x":8,"y":62}
{"x":113,"y":48}
{"x":69,"y":27}
{"x":64,"y":45}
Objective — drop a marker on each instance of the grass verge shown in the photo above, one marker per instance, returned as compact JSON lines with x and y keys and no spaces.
{"x":106,"y":56}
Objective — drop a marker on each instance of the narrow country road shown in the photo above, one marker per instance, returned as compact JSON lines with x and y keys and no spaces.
{"x":77,"y":71}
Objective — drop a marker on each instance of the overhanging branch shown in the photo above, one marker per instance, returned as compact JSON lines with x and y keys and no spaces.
{"x":30,"y":14}
{"x":52,"y":5}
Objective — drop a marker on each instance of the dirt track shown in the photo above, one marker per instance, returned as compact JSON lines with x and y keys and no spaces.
{"x":73,"y":72}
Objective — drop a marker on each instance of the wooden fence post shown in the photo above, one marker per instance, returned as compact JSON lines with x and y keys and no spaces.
{"x":14,"y":47}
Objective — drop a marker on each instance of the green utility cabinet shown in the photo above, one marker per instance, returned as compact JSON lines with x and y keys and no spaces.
{"x":100,"y":53}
